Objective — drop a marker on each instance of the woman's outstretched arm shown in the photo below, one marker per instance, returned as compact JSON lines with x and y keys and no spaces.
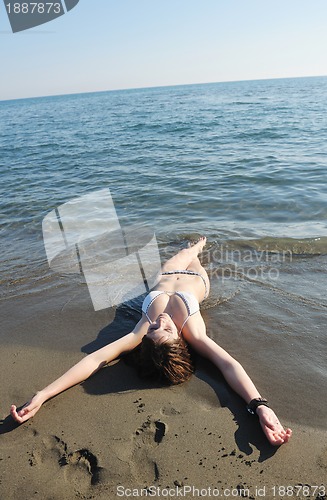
{"x":80,"y":372}
{"x":238,"y":380}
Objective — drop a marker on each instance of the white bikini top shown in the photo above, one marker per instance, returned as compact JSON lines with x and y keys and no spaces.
{"x":190,"y":301}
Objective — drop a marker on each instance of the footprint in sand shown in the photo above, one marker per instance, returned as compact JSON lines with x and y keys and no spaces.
{"x":76,"y":461}
{"x":145,"y":442}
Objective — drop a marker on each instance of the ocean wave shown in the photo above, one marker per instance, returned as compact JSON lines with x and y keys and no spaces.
{"x":295,"y":247}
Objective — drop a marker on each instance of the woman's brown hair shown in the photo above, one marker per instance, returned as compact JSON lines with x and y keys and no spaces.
{"x":169,"y":362}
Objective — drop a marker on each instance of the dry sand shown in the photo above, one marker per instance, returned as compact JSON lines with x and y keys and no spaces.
{"x":116,"y":435}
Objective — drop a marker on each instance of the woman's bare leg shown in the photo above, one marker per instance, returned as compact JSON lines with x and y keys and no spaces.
{"x":183,"y":259}
{"x":196,"y":266}
{"x":187,"y":259}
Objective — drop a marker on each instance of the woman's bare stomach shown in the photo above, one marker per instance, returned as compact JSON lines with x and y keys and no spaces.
{"x":182,"y":283}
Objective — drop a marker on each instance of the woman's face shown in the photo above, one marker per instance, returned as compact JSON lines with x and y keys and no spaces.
{"x":163,"y":329}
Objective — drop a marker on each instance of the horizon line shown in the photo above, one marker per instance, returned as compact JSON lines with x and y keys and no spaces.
{"x":161,"y":86}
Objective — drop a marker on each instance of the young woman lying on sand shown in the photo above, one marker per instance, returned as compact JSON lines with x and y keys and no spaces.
{"x":171,"y":320}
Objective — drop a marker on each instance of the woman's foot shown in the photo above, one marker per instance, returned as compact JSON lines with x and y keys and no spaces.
{"x":271,"y":426}
{"x":199,"y":245}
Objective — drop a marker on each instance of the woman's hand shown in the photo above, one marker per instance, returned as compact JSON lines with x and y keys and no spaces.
{"x":28,"y":410}
{"x":271,"y":426}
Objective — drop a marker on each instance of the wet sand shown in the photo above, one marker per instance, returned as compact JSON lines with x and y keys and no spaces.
{"x":116,"y":434}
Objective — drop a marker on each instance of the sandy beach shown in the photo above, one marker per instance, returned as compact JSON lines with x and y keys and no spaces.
{"x":116,"y":436}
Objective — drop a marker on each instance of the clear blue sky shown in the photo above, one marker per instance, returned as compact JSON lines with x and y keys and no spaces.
{"x":116,"y":44}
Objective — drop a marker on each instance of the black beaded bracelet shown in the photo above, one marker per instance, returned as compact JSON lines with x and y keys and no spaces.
{"x":253,"y":405}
